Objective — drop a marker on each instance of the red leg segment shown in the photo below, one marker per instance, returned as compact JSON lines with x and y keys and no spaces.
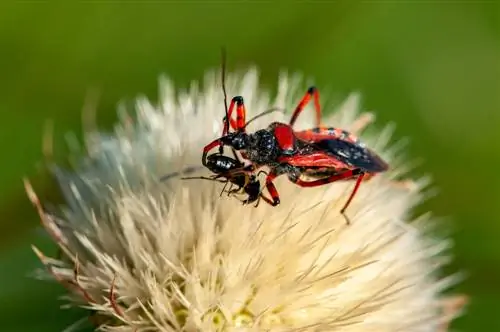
{"x":337,"y":177}
{"x":268,"y":200}
{"x":240,"y":115}
{"x":311,"y":92}
{"x":271,"y":188}
{"x":229,"y":120}
{"x":353,"y":193}
{"x":207,"y":149}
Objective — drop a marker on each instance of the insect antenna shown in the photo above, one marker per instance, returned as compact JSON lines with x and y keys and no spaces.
{"x":226,"y":182}
{"x":224,"y":92}
{"x":203,"y":178}
{"x":269,"y":111}
{"x":187,"y":170}
{"x":224,"y":188}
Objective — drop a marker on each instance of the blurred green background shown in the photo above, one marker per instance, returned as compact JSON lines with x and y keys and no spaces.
{"x":431,"y":67}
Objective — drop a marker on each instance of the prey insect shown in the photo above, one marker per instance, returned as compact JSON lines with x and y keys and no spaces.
{"x":323,"y":153}
{"x":232,"y":172}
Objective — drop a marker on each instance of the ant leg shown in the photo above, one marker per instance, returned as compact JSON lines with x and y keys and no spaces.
{"x":235,"y":155}
{"x":241,"y":188}
{"x":224,"y":188}
{"x":337,"y":177}
{"x":311,"y":92}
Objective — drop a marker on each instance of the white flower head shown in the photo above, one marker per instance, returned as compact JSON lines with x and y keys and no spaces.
{"x":147,"y":255}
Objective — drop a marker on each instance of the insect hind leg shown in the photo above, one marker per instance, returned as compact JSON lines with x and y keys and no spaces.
{"x":336,"y":177}
{"x":349,"y":200}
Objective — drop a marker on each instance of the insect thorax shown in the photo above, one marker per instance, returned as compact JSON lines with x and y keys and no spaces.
{"x":263,"y":148}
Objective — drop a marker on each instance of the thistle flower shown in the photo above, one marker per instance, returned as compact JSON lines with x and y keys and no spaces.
{"x":146,"y":255}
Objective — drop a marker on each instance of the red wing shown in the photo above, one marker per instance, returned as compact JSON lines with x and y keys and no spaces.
{"x":316,"y":159}
{"x":346,"y":149}
{"x":317,"y":135}
{"x":323,"y":133}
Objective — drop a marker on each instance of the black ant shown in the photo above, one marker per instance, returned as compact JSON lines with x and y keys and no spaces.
{"x":327,"y":154}
{"x":230,"y":171}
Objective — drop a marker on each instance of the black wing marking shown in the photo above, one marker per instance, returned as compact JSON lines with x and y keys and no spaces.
{"x":353,"y":154}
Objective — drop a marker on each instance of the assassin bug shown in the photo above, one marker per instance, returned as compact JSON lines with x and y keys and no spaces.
{"x":326,"y":154}
{"x":231,"y":171}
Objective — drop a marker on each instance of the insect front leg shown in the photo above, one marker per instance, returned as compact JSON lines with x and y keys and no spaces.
{"x":239,"y":124}
{"x":207,"y":149}
{"x":312,"y":92}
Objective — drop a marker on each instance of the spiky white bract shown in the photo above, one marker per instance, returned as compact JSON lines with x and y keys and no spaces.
{"x":175,"y":256}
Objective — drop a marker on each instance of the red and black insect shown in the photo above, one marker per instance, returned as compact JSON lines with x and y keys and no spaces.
{"x":326,"y":154}
{"x":230,"y":171}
